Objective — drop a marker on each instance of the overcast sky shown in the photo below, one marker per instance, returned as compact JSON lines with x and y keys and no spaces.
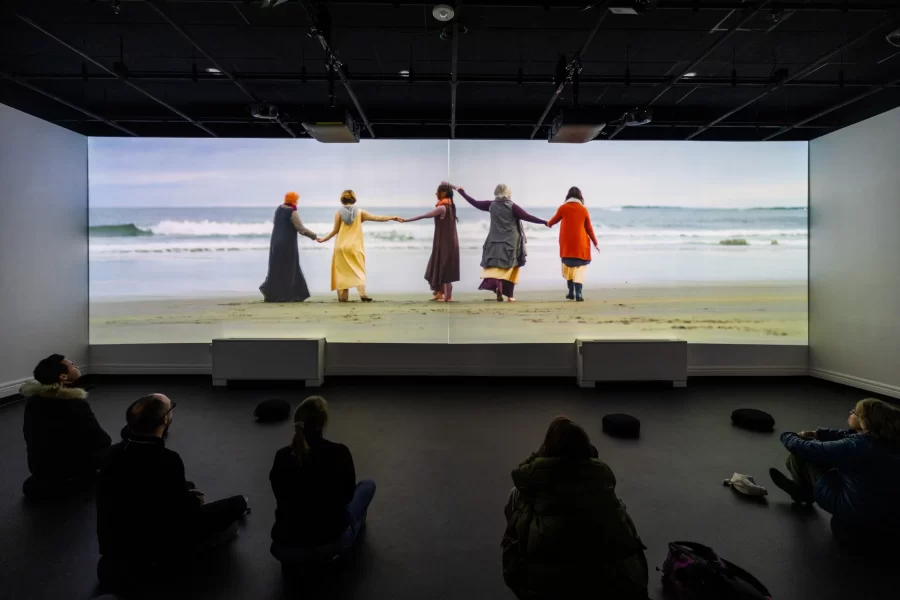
{"x":158,"y":172}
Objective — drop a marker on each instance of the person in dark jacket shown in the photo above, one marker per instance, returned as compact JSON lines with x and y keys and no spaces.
{"x":853,"y":474}
{"x":147,"y":513}
{"x":284,"y":281}
{"x":320,"y":506}
{"x":65,"y":443}
{"x":567,"y":531}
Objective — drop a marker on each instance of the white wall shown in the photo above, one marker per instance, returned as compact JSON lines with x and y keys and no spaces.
{"x":854,"y":300}
{"x":43,"y":245}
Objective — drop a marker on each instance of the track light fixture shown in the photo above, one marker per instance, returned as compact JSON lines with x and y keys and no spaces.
{"x":443,"y":12}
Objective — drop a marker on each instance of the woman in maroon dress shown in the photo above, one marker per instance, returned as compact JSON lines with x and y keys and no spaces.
{"x":443,"y":266}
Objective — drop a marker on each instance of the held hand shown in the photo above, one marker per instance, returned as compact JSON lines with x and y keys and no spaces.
{"x":320,"y":240}
{"x":399,"y":220}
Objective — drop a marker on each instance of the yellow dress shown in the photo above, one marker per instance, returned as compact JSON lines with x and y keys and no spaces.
{"x":348,"y":264}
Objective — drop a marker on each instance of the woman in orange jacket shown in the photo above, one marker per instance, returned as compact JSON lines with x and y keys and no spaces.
{"x":574,"y":237}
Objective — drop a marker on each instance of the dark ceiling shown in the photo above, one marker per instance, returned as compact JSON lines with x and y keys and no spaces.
{"x":763,"y":70}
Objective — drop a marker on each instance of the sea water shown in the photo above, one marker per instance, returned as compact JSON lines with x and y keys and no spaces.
{"x":212,"y":251}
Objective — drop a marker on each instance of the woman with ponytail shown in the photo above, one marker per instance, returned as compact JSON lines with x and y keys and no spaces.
{"x":320,"y":506}
{"x":443,"y":266}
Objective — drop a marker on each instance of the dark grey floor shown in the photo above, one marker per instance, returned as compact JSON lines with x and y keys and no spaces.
{"x":441,"y":455}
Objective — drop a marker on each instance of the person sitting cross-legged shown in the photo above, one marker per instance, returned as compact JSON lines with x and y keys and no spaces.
{"x":64,"y":441}
{"x":853,"y":474}
{"x":147,"y":512}
{"x":568,"y":535}
{"x":321,"y":507}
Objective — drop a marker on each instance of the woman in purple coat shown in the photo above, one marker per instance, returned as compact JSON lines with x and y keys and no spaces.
{"x":443,"y":266}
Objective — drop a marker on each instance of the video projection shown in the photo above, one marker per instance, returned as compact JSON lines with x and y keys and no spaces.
{"x":700,"y":241}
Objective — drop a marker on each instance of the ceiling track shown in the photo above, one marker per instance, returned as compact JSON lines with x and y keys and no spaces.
{"x":813,"y":66}
{"x":226,"y":72}
{"x":118,"y":76}
{"x":26,"y":84}
{"x":748,"y":13}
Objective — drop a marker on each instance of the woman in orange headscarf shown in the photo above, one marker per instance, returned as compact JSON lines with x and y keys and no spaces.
{"x":285,"y":281}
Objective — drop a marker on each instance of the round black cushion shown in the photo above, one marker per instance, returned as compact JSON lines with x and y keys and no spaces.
{"x":753,"y":419}
{"x":272,"y":410}
{"x":622,"y":425}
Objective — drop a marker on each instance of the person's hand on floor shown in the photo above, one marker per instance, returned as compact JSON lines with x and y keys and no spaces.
{"x":199,"y":495}
{"x":807,"y":435}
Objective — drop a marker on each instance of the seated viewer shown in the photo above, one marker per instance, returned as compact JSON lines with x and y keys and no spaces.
{"x":65,"y":443}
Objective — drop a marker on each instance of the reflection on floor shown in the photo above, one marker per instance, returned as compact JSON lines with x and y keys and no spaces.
{"x":763,"y":313}
{"x":442,"y":456}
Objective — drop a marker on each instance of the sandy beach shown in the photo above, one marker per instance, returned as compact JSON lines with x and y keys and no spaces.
{"x":761,"y":312}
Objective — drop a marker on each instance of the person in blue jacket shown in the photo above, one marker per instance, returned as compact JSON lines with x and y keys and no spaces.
{"x":853,"y":474}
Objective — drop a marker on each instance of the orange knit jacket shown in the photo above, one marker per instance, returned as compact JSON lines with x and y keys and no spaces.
{"x":576,"y":231}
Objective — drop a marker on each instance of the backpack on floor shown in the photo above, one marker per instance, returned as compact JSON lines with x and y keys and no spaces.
{"x":693,"y":571}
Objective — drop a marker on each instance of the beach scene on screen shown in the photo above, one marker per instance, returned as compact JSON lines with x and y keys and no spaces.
{"x":700,"y":241}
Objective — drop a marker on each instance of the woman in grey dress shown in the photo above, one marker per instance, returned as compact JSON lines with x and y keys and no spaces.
{"x":503,"y":253}
{"x":284,"y":281}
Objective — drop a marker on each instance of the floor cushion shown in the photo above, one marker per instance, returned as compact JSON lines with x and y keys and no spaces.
{"x":622,"y":425}
{"x":753,"y":419}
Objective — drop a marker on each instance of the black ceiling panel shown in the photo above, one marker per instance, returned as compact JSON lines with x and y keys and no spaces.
{"x":783,"y":62}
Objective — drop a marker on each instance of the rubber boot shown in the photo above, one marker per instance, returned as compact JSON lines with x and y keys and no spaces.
{"x":578,"y":297}
{"x":571,"y":294}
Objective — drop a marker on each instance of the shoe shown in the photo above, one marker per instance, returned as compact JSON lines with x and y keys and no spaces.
{"x":365,"y":299}
{"x":579,"y":299}
{"x":790,"y":486}
{"x":570,"y":296}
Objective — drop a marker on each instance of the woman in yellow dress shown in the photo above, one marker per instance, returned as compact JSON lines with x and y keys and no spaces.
{"x":348,"y":264}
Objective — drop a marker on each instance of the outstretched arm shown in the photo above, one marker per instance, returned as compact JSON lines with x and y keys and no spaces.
{"x":440,"y":211}
{"x":484,"y":205}
{"x":301,"y":229}
{"x":590,"y":231}
{"x":555,"y":218}
{"x":367,"y":216}
{"x":334,"y":232}
{"x":524,"y":216}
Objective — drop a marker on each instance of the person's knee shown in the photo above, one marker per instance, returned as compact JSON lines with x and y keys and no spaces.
{"x":367,"y":485}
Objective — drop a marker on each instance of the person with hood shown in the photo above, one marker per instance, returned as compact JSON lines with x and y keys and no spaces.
{"x":443,"y":265}
{"x":64,"y":442}
{"x":567,"y":531}
{"x":854,"y":474}
{"x":348,"y":264}
{"x":284,"y":281}
{"x":575,"y":238}
{"x":503,"y":253}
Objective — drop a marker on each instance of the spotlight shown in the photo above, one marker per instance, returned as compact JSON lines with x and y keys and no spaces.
{"x":691,"y":74}
{"x":404,"y":73}
{"x":271,"y":3}
{"x":638,"y":117}
{"x":443,"y":12}
{"x":632,"y":7}
{"x":893,"y":38}
{"x":116,"y":6}
{"x":266,"y":112}
{"x":213,"y":70}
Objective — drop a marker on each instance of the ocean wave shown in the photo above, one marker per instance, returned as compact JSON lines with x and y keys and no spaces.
{"x":125,"y":230}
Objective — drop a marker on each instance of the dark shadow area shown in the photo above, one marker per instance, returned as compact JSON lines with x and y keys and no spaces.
{"x":441,"y":452}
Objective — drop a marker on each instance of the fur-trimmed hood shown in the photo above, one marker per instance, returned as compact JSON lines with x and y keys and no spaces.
{"x":36,"y":388}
